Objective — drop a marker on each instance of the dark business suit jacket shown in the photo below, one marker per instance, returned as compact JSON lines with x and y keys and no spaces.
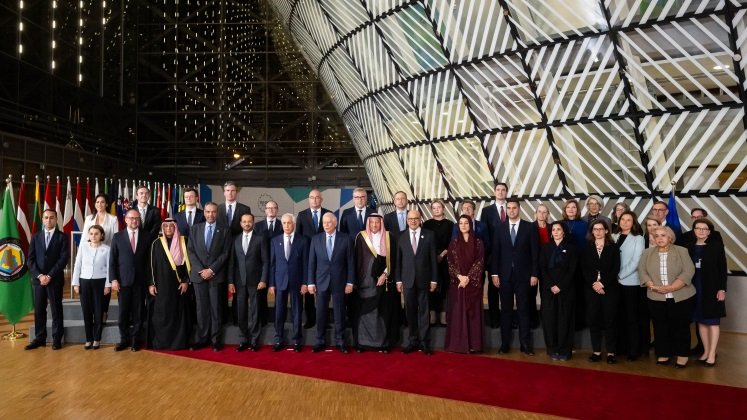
{"x":419,"y":268}
{"x":607,"y":265}
{"x":558,"y":271}
{"x":152,"y":223}
{"x":264,"y":229}
{"x":391,"y":223}
{"x":181,"y":221}
{"x":293,"y":272}
{"x":349,"y":221}
{"x":124,"y":265}
{"x":216,"y":258}
{"x":305,"y":225}
{"x":331,"y":274}
{"x":520,"y":259}
{"x":251,"y":268}
{"x":689,"y":238}
{"x":240,"y":210}
{"x":50,"y":260}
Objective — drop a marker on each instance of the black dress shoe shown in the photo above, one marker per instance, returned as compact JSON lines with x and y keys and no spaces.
{"x":680,"y":366}
{"x":385,"y":350}
{"x":56,"y":345}
{"x":708,"y":364}
{"x":217,"y":347}
{"x":298,"y":348}
{"x":427,"y":351}
{"x":611,"y":359}
{"x":503,"y":350}
{"x":120,"y":347}
{"x":88,"y":346}
{"x":595,"y":357}
{"x":135,"y":348}
{"x":663,"y":362}
{"x":317,"y":348}
{"x":277,"y":347}
{"x":197,"y":346}
{"x":528,"y":351}
{"x":359,"y":349}
{"x":242,"y":347}
{"x":409,"y":349}
{"x":96,"y":346}
{"x":35,"y":344}
{"x":343,"y":349}
{"x":254,"y":347}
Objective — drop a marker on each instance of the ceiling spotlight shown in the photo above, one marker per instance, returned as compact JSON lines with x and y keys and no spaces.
{"x":236,"y":155}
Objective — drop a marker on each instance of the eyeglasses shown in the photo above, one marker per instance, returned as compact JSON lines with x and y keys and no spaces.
{"x":659,"y":210}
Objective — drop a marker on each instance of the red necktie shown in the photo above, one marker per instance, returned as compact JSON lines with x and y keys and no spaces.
{"x":132,"y":241}
{"x":503,"y":215}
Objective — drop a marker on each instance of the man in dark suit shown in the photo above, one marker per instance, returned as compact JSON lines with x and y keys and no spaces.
{"x":416,"y":277}
{"x":129,"y":264}
{"x":209,"y":249}
{"x":396,"y":221}
{"x":190,"y":215}
{"x":230,"y":212}
{"x":330,"y":275}
{"x":268,"y":228}
{"x":493,"y":217}
{"x":308,"y":224}
{"x":150,"y":216}
{"x":48,"y":255}
{"x":249,"y":270}
{"x":514,"y":269}
{"x":353,"y":220}
{"x":289,"y":261}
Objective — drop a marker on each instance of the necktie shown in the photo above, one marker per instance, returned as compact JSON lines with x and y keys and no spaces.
{"x":229,"y":213}
{"x":209,"y":237}
{"x":513,"y":233}
{"x":132,"y":241}
{"x":414,"y":242}
{"x":503,"y":214}
{"x":142,"y":214}
{"x":287,"y":247}
{"x":272,"y":225}
{"x":329,"y":247}
{"x":246,"y":242}
{"x":401,"y":222}
{"x":49,"y":238}
{"x":360,"y":219}
{"x":189,"y":217}
{"x":315,"y":219}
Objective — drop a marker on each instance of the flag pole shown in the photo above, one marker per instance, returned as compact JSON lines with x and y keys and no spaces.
{"x":13,"y":335}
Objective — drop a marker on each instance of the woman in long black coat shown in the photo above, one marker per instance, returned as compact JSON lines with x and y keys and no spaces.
{"x":709,"y":259}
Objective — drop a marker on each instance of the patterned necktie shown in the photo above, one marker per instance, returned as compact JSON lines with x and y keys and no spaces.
{"x":189,"y":217}
{"x":315,"y":220}
{"x":503,"y":214}
{"x":360,"y":219}
{"x":209,"y":237}
{"x":229,"y":214}
{"x":49,"y":238}
{"x":513,"y":233}
{"x":414,"y":242}
{"x":133,"y":245}
{"x":287,"y":247}
{"x":142,"y":214}
{"x":329,"y":247}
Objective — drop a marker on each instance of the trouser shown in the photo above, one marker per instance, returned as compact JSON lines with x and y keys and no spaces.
{"x":672,"y":326}
{"x":281,"y":308}
{"x":91,"y":303}
{"x":247,"y":311}
{"x":131,"y":308}
{"x":510,"y":288}
{"x":208,"y":295}
{"x":557,"y":321}
{"x":634,"y":324}
{"x":51,"y":293}
{"x":601,"y":313}
{"x":418,"y":316}
{"x":338,"y":311}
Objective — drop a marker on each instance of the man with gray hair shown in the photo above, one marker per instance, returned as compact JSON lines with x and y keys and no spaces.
{"x":289,"y":259}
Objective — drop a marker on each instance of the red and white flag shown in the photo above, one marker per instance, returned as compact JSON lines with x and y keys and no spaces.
{"x":68,"y":223}
{"x":78,"y":219}
{"x":24,"y":231}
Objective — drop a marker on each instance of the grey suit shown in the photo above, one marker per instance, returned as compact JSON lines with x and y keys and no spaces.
{"x":247,"y":271}
{"x":416,"y":270}
{"x":207,"y":292}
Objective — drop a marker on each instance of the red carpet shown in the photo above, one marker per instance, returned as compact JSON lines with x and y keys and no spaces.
{"x":539,"y":388}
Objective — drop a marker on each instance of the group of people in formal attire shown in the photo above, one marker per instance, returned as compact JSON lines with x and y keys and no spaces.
{"x":604,"y":273}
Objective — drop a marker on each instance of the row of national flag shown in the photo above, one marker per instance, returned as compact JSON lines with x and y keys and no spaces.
{"x":17,"y":224}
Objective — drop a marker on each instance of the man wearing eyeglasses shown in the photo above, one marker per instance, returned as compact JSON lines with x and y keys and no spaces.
{"x":353,"y":220}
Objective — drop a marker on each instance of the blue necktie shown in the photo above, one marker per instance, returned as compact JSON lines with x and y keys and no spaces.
{"x":401,"y":222}
{"x":315,"y":219}
{"x":229,"y":214}
{"x":360,"y":220}
{"x":329,"y":247}
{"x":513,"y":233}
{"x":209,"y":237}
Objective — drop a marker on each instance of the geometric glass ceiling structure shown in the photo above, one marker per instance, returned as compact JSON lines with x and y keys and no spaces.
{"x":559,"y":98}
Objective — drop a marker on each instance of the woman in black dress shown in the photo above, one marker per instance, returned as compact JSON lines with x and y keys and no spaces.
{"x":441,"y":227}
{"x":710,"y":287}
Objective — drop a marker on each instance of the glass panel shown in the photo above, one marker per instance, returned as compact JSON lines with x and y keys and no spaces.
{"x":633,"y":12}
{"x":441,"y":105}
{"x":372,"y":58}
{"x":423,"y":172}
{"x":391,"y":169}
{"x":540,"y":21}
{"x":465,"y":167}
{"x":399,"y":115}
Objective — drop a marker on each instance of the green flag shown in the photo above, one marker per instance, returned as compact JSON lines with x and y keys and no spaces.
{"x":15,"y":285}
